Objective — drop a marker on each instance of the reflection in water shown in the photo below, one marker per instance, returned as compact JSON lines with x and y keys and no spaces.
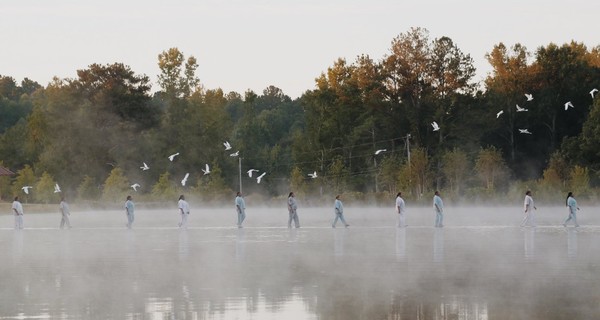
{"x":438,"y":245}
{"x":529,"y":242}
{"x":400,"y":244}
{"x":240,"y":244}
{"x":338,"y":242}
{"x":572,"y":242}
{"x":184,"y":247}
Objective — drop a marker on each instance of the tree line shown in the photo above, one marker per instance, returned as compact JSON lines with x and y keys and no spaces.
{"x":92,"y":133}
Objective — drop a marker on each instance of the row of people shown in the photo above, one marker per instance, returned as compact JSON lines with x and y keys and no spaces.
{"x":240,"y":205}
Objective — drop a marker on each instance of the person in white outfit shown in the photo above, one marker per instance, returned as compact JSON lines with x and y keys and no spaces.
{"x":529,"y":205}
{"x":572,"y":204}
{"x":240,"y":207}
{"x":292,"y":207}
{"x":184,"y":210}
{"x":339,"y":212}
{"x":17,"y":208}
{"x":401,"y":210}
{"x":65,"y":213}
{"x":129,"y":211}
{"x":438,"y":207}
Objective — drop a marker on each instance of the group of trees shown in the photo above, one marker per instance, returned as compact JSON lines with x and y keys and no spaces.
{"x":91,"y":134}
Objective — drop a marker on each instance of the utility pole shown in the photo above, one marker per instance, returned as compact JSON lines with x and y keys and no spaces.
{"x":375,"y":162}
{"x":240,"y":172}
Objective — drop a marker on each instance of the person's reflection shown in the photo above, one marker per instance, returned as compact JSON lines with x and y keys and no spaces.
{"x":338,"y":242}
{"x":184,"y":247}
{"x":438,"y":245}
{"x":529,"y":243}
{"x":240,"y":244}
{"x":17,"y":247}
{"x":400,"y":244}
{"x":572,"y":243}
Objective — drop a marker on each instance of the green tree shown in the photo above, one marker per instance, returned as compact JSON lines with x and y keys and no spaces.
{"x":87,"y":189}
{"x":25,"y":177}
{"x":298,"y":182}
{"x":177,"y":77}
{"x":115,"y":186}
{"x":455,"y":165}
{"x":579,"y":180}
{"x":556,"y":175}
{"x":164,"y":189}
{"x":490,"y":167}
{"x":44,"y":189}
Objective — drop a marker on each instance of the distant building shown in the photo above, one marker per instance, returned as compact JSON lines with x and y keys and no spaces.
{"x":5,"y":172}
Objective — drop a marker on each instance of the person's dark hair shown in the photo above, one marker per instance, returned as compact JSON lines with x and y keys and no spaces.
{"x":289,"y":195}
{"x":399,"y":194}
{"x":337,"y":197}
{"x":128,"y":197}
{"x":238,"y":193}
{"x":17,"y":198}
{"x":528,"y":192}
{"x":181,"y":197}
{"x":567,"y":200}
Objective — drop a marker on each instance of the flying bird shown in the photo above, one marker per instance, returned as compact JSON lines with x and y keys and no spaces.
{"x":499,"y":114}
{"x":235,"y":154}
{"x":568,"y":104}
{"x":519,"y":109}
{"x":227,"y":145}
{"x":56,"y":188}
{"x":525,"y":131}
{"x":145,"y":167}
{"x":380,"y":151}
{"x":250,"y":172}
{"x":26,"y":189}
{"x":185,"y":179}
{"x":135,"y":186}
{"x":313,"y":175}
{"x":260,"y":177}
{"x":435,"y":126}
{"x":171,"y":157}
{"x":593,"y":92}
{"x":529,"y":96}
{"x":206,"y":170}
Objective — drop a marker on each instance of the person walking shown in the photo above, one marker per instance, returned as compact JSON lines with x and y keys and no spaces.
{"x":65,"y":213}
{"x":572,"y":204}
{"x":17,"y":209}
{"x":292,"y":207}
{"x":401,"y":210}
{"x":184,"y":210}
{"x":438,"y":206}
{"x":339,"y":212}
{"x":129,"y":210}
{"x":240,"y":206}
{"x":529,"y":219}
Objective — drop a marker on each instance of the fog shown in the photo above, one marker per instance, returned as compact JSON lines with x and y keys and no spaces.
{"x":481,"y":265}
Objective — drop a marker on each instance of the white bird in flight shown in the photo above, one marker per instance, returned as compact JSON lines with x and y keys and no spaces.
{"x":568,"y":104}
{"x":56,"y":188}
{"x":519,"y":109}
{"x":260,"y":177}
{"x":171,"y":157}
{"x":135,"y":186}
{"x":435,"y":126}
{"x":227,"y":145}
{"x":499,"y":114}
{"x":525,"y":131}
{"x":185,"y":179}
{"x":26,"y":189}
{"x":250,"y":172}
{"x":313,"y":175}
{"x":380,"y":151}
{"x":235,"y":154}
{"x":593,"y":92}
{"x":145,"y":167}
{"x":529,"y":96}
{"x":206,"y":170}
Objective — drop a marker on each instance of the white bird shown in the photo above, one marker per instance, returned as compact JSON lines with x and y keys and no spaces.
{"x":171,"y":157}
{"x":519,"y":109}
{"x":235,"y":154}
{"x":593,"y":92}
{"x":313,"y":175}
{"x":250,"y":172}
{"x":227,"y":145}
{"x":569,"y":104}
{"x":380,"y":151}
{"x":529,"y":96}
{"x":56,"y":188}
{"x":499,"y":114}
{"x":135,"y":186}
{"x":526,"y":131}
{"x":435,"y":126}
{"x":206,"y":170}
{"x":26,"y":189}
{"x":185,"y":179}
{"x":145,"y":167}
{"x":260,"y":177}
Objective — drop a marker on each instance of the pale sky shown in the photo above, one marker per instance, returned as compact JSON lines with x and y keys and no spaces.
{"x":251,"y":44}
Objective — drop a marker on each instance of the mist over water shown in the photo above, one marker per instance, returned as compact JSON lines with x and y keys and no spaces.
{"x":481,"y":265}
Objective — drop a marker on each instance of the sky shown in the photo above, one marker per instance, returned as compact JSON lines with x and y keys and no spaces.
{"x":245,"y":45}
